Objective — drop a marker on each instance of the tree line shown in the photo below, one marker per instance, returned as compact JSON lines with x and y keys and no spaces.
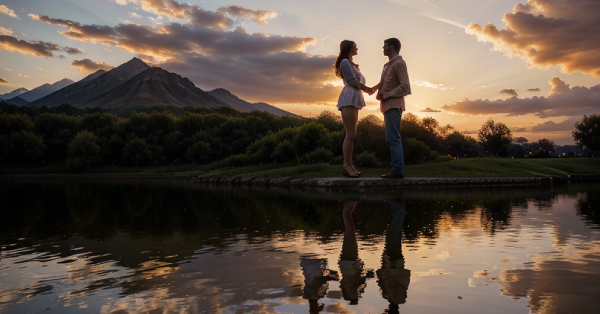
{"x":80,"y":139}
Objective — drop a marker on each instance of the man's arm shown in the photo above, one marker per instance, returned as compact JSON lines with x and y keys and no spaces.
{"x":404,"y":88}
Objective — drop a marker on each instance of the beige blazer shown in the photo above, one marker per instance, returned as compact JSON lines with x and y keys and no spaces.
{"x":394,"y":85}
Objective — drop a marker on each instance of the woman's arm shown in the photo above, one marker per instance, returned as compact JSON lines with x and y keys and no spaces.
{"x":348,"y":75}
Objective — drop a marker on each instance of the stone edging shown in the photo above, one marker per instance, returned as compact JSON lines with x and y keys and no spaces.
{"x":374,"y":182}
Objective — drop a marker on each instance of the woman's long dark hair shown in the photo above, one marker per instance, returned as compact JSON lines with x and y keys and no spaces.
{"x":345,"y":49}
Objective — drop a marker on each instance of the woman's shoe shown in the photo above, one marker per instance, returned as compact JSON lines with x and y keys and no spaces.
{"x":357,"y":172}
{"x":347,"y":173}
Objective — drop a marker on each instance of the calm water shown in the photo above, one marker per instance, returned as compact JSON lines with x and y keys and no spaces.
{"x":184,"y":247}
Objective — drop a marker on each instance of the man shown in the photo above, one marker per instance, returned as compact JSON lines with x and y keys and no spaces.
{"x":394,"y":85}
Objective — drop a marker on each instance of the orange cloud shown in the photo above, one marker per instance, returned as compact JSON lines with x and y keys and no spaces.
{"x":89,"y":66}
{"x":548,"y":33}
{"x":6,"y":31}
{"x":3,"y":81}
{"x":36,"y":48}
{"x":562,"y":101}
{"x":259,"y":16}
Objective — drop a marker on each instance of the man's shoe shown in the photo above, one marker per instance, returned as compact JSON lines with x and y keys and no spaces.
{"x":392,"y":175}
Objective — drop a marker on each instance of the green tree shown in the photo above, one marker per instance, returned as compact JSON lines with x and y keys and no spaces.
{"x":10,"y":123}
{"x":137,"y":152}
{"x":543,"y":148}
{"x":459,"y":145}
{"x":330,"y":120}
{"x":587,"y":133}
{"x":21,"y":148}
{"x":83,"y":151}
{"x":495,"y":138}
{"x":199,"y":152}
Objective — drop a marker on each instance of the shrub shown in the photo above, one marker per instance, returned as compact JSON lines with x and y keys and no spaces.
{"x":367,"y":159}
{"x":284,"y":151}
{"x":443,"y":158}
{"x":321,"y":155}
{"x":415,"y":151}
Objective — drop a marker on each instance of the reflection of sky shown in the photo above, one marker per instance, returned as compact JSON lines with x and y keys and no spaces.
{"x":545,"y":258}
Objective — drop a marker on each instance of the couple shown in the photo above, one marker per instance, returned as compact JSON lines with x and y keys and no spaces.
{"x":391,"y":90}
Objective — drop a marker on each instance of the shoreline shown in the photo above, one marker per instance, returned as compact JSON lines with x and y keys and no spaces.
{"x":257,"y":180}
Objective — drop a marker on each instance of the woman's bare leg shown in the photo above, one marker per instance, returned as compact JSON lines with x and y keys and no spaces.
{"x":350,"y":119}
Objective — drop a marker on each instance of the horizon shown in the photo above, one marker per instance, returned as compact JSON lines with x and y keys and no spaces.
{"x":468,"y":61}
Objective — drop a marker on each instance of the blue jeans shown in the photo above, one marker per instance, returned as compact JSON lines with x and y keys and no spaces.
{"x":392,"y":119}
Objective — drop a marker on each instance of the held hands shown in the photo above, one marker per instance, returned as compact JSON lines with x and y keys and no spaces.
{"x":371,"y":90}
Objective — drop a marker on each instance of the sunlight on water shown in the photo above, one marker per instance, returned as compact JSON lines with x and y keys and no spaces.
{"x":183,"y":247}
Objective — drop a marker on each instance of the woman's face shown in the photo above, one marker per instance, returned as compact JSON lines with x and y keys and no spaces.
{"x":354,"y":51}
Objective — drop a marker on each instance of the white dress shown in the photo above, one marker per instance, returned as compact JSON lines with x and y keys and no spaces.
{"x":351,"y":94}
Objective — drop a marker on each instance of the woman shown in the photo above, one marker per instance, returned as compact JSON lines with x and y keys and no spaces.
{"x":350,"y":101}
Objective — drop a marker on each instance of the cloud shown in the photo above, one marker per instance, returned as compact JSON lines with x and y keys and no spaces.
{"x":73,"y":51}
{"x":547,"y":33}
{"x":562,"y":101}
{"x":510,"y":92}
{"x":213,"y":50}
{"x":42,"y":69}
{"x":3,"y":81}
{"x":291,"y":77}
{"x":35,"y":48}
{"x":134,"y":15}
{"x":7,"y":11}
{"x":89,"y":66}
{"x":259,"y":16}
{"x":429,"y":110}
{"x":431,"y":85}
{"x":23,"y":75}
{"x":537,"y":89}
{"x":517,"y":129}
{"x":6,"y":31}
{"x":7,"y":69}
{"x":550,"y":126}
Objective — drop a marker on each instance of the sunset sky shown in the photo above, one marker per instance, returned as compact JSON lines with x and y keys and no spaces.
{"x":533,"y":65}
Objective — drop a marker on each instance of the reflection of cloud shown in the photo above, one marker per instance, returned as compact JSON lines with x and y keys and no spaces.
{"x":3,"y":81}
{"x":510,"y":92}
{"x":547,"y":33}
{"x":563,"y":101}
{"x":89,"y":66}
{"x":431,"y":85}
{"x":537,"y":89}
{"x":4,"y":9}
{"x":550,"y":126}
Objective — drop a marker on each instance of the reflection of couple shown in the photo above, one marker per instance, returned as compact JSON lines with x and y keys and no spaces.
{"x":391,"y":89}
{"x":393,"y":278}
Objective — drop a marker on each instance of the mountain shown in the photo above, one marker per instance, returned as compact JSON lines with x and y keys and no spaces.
{"x":14,"y":93}
{"x":244,"y":106}
{"x":89,"y":88}
{"x":156,"y":86}
{"x":17,"y":101}
{"x":44,"y":90}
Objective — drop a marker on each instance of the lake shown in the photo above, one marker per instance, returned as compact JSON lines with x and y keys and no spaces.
{"x":145,"y":246}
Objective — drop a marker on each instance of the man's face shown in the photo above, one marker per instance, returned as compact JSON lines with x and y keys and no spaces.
{"x":387,"y":49}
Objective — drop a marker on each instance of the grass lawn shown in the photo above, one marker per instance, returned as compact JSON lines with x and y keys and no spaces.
{"x":473,"y":167}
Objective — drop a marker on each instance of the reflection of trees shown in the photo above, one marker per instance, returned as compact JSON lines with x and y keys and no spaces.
{"x":495,"y":214}
{"x":588,"y":206}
